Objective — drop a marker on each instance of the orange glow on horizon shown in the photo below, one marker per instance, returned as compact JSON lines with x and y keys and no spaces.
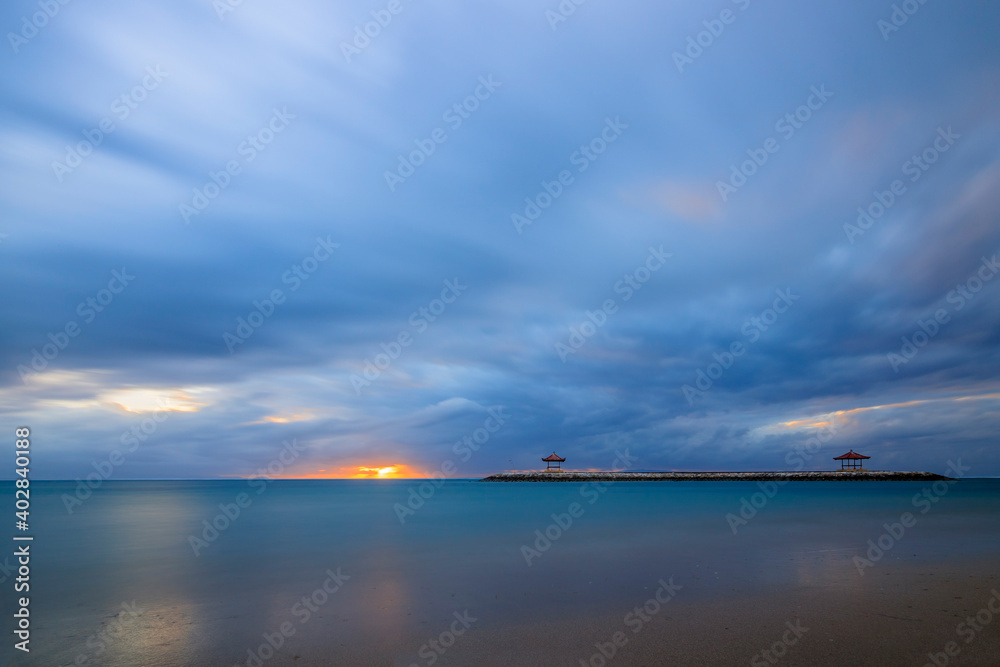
{"x":387,"y":471}
{"x":384,"y":471}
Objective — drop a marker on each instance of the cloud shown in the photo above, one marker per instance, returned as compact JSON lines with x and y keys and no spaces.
{"x":697,"y":203}
{"x":162,"y":337}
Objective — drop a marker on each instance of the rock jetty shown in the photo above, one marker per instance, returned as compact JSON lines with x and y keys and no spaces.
{"x":817,"y":476}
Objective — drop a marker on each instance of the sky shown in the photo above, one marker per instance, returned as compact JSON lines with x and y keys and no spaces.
{"x":415,"y":237}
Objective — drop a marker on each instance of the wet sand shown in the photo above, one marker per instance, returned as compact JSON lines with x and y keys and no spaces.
{"x":894,"y":615}
{"x":896,"y":618}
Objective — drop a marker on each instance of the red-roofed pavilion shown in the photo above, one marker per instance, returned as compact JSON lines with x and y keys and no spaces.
{"x":851,"y":460}
{"x":554,"y":461}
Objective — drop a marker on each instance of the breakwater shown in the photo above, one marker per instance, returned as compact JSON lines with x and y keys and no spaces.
{"x":813,"y":476}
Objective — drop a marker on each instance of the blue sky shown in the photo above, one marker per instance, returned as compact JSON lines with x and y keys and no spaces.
{"x":382,"y":192}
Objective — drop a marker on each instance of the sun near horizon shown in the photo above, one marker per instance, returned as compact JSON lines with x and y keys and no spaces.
{"x":371,"y":471}
{"x":379,"y":472}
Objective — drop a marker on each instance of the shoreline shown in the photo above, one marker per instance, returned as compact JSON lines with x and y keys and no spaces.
{"x":815,"y":476}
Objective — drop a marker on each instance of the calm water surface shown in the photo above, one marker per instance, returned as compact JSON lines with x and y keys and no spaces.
{"x":464,"y":549}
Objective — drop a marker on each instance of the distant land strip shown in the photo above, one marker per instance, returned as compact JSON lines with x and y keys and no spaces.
{"x":818,"y":476}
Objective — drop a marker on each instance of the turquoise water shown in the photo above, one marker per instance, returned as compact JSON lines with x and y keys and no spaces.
{"x":463,"y":549}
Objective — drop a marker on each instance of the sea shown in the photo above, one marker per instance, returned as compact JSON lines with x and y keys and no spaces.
{"x":266,"y":572}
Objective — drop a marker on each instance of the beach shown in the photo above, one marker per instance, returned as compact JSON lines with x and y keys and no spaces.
{"x":896,"y":619}
{"x":332,"y":573}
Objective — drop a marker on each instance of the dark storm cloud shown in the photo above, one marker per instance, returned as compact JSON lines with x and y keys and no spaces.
{"x":850,"y":299}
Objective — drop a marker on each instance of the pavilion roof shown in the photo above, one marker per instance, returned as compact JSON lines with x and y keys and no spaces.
{"x":553,"y":457}
{"x":850,"y":455}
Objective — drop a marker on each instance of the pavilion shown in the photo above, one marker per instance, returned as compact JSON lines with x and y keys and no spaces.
{"x":554,"y":462}
{"x":851,"y":460}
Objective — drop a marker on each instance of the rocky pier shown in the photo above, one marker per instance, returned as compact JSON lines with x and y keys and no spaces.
{"x":814,"y":476}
